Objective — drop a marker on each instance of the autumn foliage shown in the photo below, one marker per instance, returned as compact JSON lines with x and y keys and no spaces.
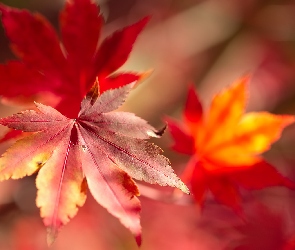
{"x":66,"y":71}
{"x":73,"y":136}
{"x":225,"y":145}
{"x":106,"y":147}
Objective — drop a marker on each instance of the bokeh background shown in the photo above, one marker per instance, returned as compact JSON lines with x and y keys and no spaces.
{"x":209,"y":43}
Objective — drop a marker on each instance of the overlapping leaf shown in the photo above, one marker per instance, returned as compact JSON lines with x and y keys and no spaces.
{"x":108,"y":148}
{"x":225,"y":145}
{"x":60,"y":73}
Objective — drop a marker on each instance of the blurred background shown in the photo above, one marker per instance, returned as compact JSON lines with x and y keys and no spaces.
{"x":209,"y":43}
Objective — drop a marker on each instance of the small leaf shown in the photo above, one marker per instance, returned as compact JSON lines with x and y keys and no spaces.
{"x":225,"y":144}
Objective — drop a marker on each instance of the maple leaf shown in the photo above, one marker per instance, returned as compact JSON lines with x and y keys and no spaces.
{"x":108,"y":148}
{"x":225,"y":145}
{"x":60,"y":73}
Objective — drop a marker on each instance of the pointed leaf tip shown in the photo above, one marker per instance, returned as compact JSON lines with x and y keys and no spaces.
{"x":288,"y":119}
{"x":51,"y":236}
{"x":184,"y":188}
{"x":193,"y":110}
{"x":138,"y":239}
{"x":160,"y":132}
{"x":143,"y":76}
{"x":143,"y":22}
{"x":245,"y":79}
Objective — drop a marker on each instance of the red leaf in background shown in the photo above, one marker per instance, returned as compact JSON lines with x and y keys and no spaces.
{"x":184,"y":142}
{"x":107,"y":147}
{"x":66,"y":69}
{"x":263,"y":230}
{"x":226,"y":144}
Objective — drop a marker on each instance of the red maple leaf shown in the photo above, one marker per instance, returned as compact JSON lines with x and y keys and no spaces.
{"x":108,"y":148}
{"x":60,"y":73}
{"x":225,"y":146}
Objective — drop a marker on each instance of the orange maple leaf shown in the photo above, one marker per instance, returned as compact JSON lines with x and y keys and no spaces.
{"x":225,"y":145}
